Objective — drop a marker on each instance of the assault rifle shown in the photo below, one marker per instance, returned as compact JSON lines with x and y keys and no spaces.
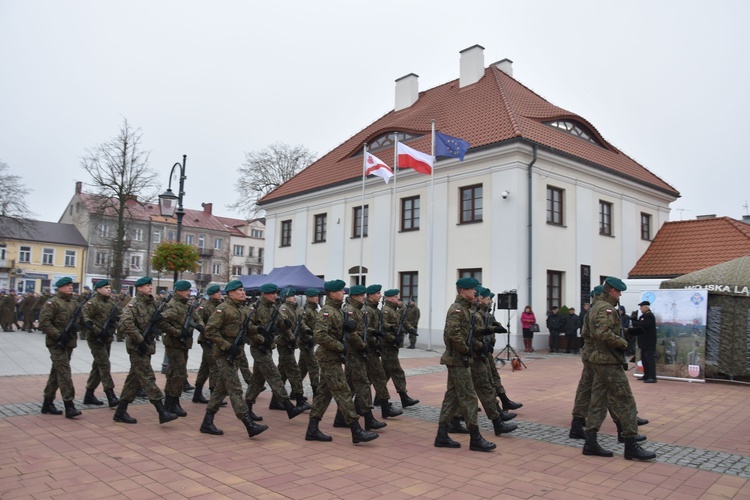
{"x":486,"y":339}
{"x":71,"y":330}
{"x":241,"y":339}
{"x":112,"y":318}
{"x":365,"y":336}
{"x":270,"y":327}
{"x":470,"y":340}
{"x":400,"y":332}
{"x":188,"y":326}
{"x":148,"y":332}
{"x":295,"y":333}
{"x":622,"y":336}
{"x":345,"y":328}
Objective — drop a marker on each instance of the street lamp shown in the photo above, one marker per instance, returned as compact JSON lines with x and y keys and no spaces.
{"x":167,"y":200}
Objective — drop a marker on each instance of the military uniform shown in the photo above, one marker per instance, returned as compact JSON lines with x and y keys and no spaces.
{"x":375,"y":371}
{"x":8,"y":311}
{"x":286,"y":345}
{"x":391,"y":344}
{"x":412,"y":317}
{"x":208,"y":363}
{"x":308,"y":364}
{"x":95,"y":313}
{"x":27,"y":310}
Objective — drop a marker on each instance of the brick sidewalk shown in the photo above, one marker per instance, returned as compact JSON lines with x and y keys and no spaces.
{"x":701,"y":432}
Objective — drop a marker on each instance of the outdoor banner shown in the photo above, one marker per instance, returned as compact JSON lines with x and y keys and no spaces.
{"x":680,"y":332}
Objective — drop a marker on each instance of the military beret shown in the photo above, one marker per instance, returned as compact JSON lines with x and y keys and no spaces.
{"x":100,"y":284}
{"x":391,"y":293}
{"x":357,"y":290}
{"x":616,"y":283}
{"x":645,"y":303}
{"x":374,"y":288}
{"x":146,"y":280}
{"x":492,"y":295}
{"x":467,"y":283}
{"x":213,"y":289}
{"x":269,"y":288}
{"x":288,"y":292}
{"x":485,"y":293}
{"x":182,"y":285}
{"x":234,"y":285}
{"x":61,"y":282}
{"x":598,"y":290}
{"x":334,"y":285}
{"x":312,"y":292}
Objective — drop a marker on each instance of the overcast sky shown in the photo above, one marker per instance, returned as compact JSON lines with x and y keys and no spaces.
{"x":665,"y":81}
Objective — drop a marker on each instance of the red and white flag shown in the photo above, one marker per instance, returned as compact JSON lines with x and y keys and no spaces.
{"x":411,"y":158}
{"x":374,"y":166}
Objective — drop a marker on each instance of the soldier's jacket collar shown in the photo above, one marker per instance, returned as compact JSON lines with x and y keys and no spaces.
{"x":143,"y":297}
{"x":182,"y":300}
{"x":355,"y":304}
{"x":215,"y":301}
{"x":63,"y":296}
{"x":334,"y":303}
{"x":265,"y":301}
{"x":373,"y":303}
{"x":609,"y":299}
{"x":312,"y":305}
{"x":391,"y":305}
{"x":236,"y":303}
{"x":464,"y":302}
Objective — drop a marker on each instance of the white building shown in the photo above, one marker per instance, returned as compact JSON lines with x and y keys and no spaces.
{"x":541,"y":204}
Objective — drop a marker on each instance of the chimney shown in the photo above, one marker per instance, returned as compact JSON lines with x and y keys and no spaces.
{"x":746,"y":219}
{"x":472,"y":65}
{"x":79,"y":185}
{"x":704,"y":217}
{"x":207,"y":207}
{"x":407,"y":91}
{"x":506,"y":66}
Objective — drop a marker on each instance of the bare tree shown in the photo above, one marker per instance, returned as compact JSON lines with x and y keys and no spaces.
{"x":121,"y":177}
{"x":14,"y":211}
{"x":267,"y":169}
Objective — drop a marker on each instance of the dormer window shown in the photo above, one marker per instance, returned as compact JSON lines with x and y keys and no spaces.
{"x":576,"y":129}
{"x":388,"y":140}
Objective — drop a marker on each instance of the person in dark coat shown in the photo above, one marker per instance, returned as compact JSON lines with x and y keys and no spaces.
{"x":572,"y":323}
{"x":556,"y":326}
{"x":647,"y":341}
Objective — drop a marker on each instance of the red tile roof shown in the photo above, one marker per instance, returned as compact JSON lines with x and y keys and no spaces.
{"x":495,"y":109}
{"x":685,"y":246}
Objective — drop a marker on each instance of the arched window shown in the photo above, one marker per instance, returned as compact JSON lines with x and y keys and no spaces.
{"x":388,"y":139}
{"x":576,"y":129}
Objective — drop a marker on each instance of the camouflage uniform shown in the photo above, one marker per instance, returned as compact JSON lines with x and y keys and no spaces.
{"x":391,"y":364}
{"x":286,"y":344}
{"x":175,"y":344}
{"x":412,"y":317}
{"x":308,"y":364}
{"x":208,"y":363}
{"x":375,"y":370}
{"x":27,"y":309}
{"x":96,"y":311}
{"x":356,"y":356}
{"x":54,"y":316}
{"x":8,"y":311}
{"x":41,"y":300}
{"x":135,"y":318}
{"x":583,"y":392}
{"x":480,"y":376}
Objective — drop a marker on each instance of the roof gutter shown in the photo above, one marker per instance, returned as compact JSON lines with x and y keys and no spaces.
{"x":530,"y":224}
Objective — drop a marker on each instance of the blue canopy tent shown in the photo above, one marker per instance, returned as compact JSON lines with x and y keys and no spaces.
{"x":298,"y":277}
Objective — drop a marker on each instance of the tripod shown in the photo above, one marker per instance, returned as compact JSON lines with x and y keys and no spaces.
{"x":508,"y":349}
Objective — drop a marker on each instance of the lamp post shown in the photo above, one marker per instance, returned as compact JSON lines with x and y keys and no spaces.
{"x":167,"y":200}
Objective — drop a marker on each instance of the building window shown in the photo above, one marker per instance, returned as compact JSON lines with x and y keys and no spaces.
{"x":218,"y":242}
{"x":260,"y":255}
{"x":101,"y":259}
{"x":554,"y":289}
{"x":409,"y":282}
{"x":605,"y":218}
{"x":135,"y":262}
{"x":24,"y":254}
{"x":157,"y":237}
{"x":286,"y":233}
{"x":171,"y":235}
{"x":321,"y":226}
{"x":471,"y":204}
{"x":103,"y":230}
{"x":388,"y":140}
{"x":357,"y":230}
{"x":202,"y":241}
{"x":475,"y":273}
{"x":3,"y":252}
{"x":238,"y":251}
{"x":576,"y":129}
{"x":70,"y":258}
{"x":236,"y":270}
{"x":410,"y":213}
{"x":256,"y":233}
{"x":137,"y":234}
{"x":216,"y":268}
{"x":189,"y":239}
{"x":48,"y":256}
{"x":251,"y":251}
{"x":554,"y":205}
{"x":645,"y":226}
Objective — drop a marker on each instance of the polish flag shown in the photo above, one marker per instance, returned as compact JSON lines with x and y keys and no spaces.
{"x":411,"y":158}
{"x":375,"y":166}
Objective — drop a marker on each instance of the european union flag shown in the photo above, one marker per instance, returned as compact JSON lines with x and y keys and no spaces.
{"x":452,"y":147}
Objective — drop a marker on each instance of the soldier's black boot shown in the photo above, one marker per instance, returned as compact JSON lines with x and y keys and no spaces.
{"x":477,"y":442}
{"x":406,"y":401}
{"x":591,"y":446}
{"x":638,"y":439}
{"x":506,"y":415}
{"x":387,"y":409}
{"x":90,"y":399}
{"x":253,"y":429}
{"x":314,"y":434}
{"x":371,"y":423}
{"x":576,"y":428}
{"x":164,"y":414}
{"x":508,"y":404}
{"x":186,"y":387}
{"x":412,"y":345}
{"x":170,"y":403}
{"x":633,"y":451}
{"x":338,"y":420}
{"x":121,"y":414}
{"x":275,"y":404}
{"x":443,"y":440}
{"x":252,"y":414}
{"x":301,"y":401}
{"x":360,"y":435}
{"x":642,"y":421}
{"x":456,"y":427}
{"x":291,"y":410}
{"x":70,"y":410}
{"x":208,"y":427}
{"x":112,"y":399}
{"x":198,"y":395}
{"x":49,"y":407}
{"x":501,"y":427}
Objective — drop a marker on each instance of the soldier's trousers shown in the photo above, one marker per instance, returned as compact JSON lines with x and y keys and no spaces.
{"x":494,"y":374}
{"x":308,"y":364}
{"x":141,"y":375}
{"x":412,"y":339}
{"x":333,"y":385}
{"x":241,"y":361}
{"x":611,"y":389}
{"x":265,"y":370}
{"x":28,"y":321}
{"x":207,"y":368}
{"x":392,"y":368}
{"x":60,"y":374}
{"x":484,"y":387}
{"x":376,"y":374}
{"x":100,"y":368}
{"x":289,"y":369}
{"x":583,"y":394}
{"x":460,"y":397}
{"x":356,"y":377}
{"x":227,"y":383}
{"x":176,"y":371}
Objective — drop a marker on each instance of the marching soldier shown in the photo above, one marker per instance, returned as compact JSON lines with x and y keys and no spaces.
{"x":286,"y":343}
{"x":95,"y":313}
{"x":412,"y":317}
{"x":80,"y":299}
{"x":308,"y":364}
{"x":391,"y":344}
{"x":208,"y":363}
{"x":56,"y":313}
{"x":27,"y":310}
{"x":375,"y":371}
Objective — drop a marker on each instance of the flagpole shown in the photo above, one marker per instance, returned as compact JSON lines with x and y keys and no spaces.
{"x":362,"y":213}
{"x":394,"y":218}
{"x":431,"y":285}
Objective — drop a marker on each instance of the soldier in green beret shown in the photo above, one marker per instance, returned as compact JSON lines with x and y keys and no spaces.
{"x":178,"y":340}
{"x":329,"y":335}
{"x":27,"y":310}
{"x":53,"y":319}
{"x":286,"y":343}
{"x":308,"y":364}
{"x":208,"y":364}
{"x":81,"y":299}
{"x":391,"y":322}
{"x":222,"y":330}
{"x":135,"y":318}
{"x":375,"y":371}
{"x":95,"y":312}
